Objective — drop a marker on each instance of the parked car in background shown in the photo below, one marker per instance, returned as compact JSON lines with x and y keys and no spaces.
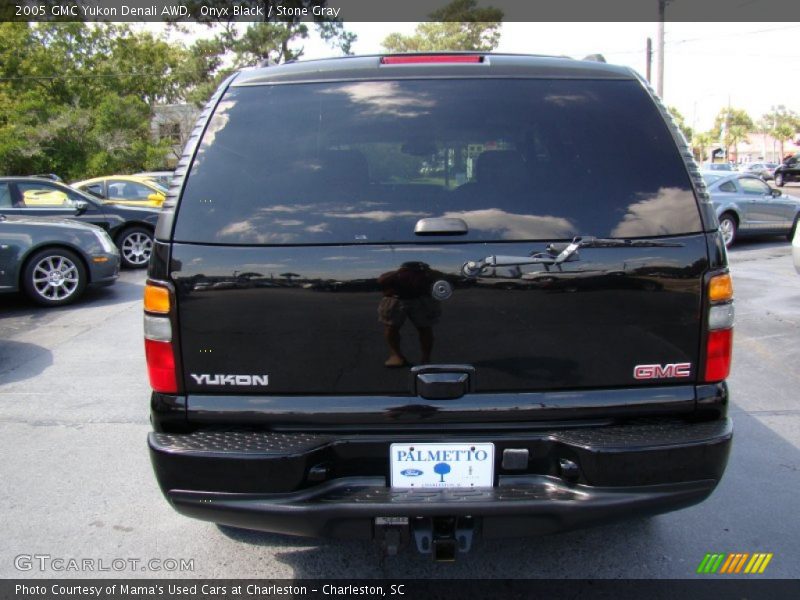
{"x":53,"y":260}
{"x":712,"y":166}
{"x":788,"y":171}
{"x":746,"y":205}
{"x":124,"y":189}
{"x":130,"y":227}
{"x":764,"y":170}
{"x":161,"y":177}
{"x":50,"y":176}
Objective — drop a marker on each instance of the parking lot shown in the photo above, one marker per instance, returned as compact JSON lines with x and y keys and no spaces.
{"x":78,"y":483}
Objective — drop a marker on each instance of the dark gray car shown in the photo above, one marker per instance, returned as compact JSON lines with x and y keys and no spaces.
{"x":53,"y":260}
{"x":746,"y":205}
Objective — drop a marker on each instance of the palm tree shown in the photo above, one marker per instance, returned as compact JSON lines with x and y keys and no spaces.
{"x":700,"y":143}
{"x":783,"y":133}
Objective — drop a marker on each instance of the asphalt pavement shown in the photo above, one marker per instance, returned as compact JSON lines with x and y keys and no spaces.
{"x":77,"y":481}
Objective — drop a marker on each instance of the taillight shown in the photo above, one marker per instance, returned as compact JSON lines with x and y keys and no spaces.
{"x":160,"y":366}
{"x":719,"y":341}
{"x":158,"y":349}
{"x":411,"y":59}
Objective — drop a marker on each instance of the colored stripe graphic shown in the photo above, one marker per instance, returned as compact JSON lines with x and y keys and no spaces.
{"x":717,"y":562}
{"x":728,"y":562}
{"x":733,"y":563}
{"x":767,"y":558}
{"x":741,"y":562}
{"x":704,"y":564}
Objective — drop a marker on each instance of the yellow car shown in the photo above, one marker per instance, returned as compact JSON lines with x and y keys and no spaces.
{"x":45,"y":198}
{"x":124,"y":189}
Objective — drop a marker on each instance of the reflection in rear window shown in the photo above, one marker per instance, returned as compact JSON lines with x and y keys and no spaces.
{"x":362,"y":162}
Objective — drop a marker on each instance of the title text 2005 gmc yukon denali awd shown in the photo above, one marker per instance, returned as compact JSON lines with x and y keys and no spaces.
{"x":416,"y":297}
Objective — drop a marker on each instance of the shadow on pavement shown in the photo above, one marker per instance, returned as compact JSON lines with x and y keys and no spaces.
{"x":20,"y":361}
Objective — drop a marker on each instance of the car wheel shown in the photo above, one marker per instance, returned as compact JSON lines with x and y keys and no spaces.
{"x":135,"y":247}
{"x":790,"y":235}
{"x":728,"y":227}
{"x":54,"y":277}
{"x":779,"y":179}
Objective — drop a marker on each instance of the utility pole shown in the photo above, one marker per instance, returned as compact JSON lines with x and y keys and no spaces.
{"x":649,"y":59}
{"x":662,"y":4}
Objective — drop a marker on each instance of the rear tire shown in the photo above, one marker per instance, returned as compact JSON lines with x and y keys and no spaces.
{"x":54,"y":277}
{"x":135,"y":247}
{"x":729,"y":228}
{"x":779,"y":179}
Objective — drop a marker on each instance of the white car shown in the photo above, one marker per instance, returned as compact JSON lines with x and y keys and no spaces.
{"x":796,"y":249}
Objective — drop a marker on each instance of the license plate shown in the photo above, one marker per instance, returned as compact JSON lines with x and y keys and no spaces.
{"x":441,"y":465}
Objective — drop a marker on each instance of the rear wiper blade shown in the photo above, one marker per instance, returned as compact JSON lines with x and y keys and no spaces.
{"x":594,"y":242}
{"x":556,"y":254}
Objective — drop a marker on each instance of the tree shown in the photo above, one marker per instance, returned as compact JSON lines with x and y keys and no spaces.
{"x":731,"y":126}
{"x":211,"y":61}
{"x":460,"y":25}
{"x":783,"y":133}
{"x":782,"y":124}
{"x":680,"y":121}
{"x":76,"y":100}
{"x":701,"y":142}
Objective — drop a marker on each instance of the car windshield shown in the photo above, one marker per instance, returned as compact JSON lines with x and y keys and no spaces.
{"x":711,"y":177}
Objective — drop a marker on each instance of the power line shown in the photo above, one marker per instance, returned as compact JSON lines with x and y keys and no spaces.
{"x":732,"y":34}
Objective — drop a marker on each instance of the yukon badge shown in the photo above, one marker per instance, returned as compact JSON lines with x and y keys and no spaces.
{"x":220,"y":379}
{"x":668,"y":371}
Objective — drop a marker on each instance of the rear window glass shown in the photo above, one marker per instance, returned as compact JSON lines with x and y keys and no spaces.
{"x":362,"y":162}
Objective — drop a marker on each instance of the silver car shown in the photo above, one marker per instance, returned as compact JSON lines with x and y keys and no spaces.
{"x":53,"y":260}
{"x":746,"y":205}
{"x":765,"y":170}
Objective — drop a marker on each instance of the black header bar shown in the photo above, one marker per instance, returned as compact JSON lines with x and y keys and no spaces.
{"x":396,"y":10}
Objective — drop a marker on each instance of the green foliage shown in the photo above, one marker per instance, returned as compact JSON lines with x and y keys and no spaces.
{"x":701,"y":143}
{"x":460,"y":25}
{"x":78,"y":99}
{"x":208,"y":62}
{"x":680,"y":121}
{"x":731,"y":126}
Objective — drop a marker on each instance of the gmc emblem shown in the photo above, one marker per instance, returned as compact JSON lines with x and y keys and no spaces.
{"x":662,"y":371}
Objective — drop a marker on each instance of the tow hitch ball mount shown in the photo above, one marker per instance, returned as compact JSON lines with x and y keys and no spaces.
{"x":441,"y":537}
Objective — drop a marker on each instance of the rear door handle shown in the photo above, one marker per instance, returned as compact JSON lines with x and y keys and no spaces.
{"x":441,"y":226}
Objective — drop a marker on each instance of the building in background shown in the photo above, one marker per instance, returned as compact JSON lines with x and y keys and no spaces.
{"x":174,"y":122}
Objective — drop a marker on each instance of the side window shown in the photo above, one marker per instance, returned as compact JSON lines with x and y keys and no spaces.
{"x":754,"y":187}
{"x":42,"y":195}
{"x":127,"y":190}
{"x":728,"y":186}
{"x":95,"y":189}
{"x":5,"y":196}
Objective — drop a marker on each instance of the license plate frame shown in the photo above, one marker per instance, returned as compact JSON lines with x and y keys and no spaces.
{"x":467,"y":465}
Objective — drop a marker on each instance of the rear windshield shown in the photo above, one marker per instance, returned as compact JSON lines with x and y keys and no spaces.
{"x":363,"y":162}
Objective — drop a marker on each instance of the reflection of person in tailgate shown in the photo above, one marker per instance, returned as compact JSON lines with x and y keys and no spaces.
{"x":407,"y":294}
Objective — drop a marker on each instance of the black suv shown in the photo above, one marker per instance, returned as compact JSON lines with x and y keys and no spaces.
{"x":788,"y":171}
{"x":415,"y":297}
{"x":130,"y":227}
